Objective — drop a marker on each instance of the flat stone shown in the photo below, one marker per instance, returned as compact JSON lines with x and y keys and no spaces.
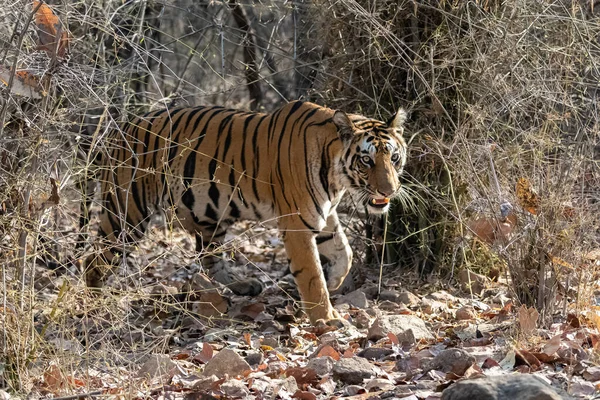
{"x":456,"y":361}
{"x":354,"y":370}
{"x":227,"y":362}
{"x":442,"y":296}
{"x":235,"y":388}
{"x":465,"y":313}
{"x":407,"y":328}
{"x":321,"y":365}
{"x":158,"y":366}
{"x":375,"y":353}
{"x":505,"y":387}
{"x":407,"y":298}
{"x":357,"y":299}
{"x":254,"y":358}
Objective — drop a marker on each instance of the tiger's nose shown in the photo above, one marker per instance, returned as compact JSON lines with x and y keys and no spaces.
{"x":387,"y":192}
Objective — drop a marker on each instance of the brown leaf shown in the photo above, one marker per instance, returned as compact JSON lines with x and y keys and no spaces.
{"x":304,"y":376}
{"x":329,"y":351}
{"x":248,"y":338}
{"x":573,"y":320}
{"x":552,"y":345}
{"x":393,"y":338}
{"x":53,"y":39}
{"x":24,"y":83}
{"x":304,"y":395}
{"x":252,"y":310}
{"x":546,"y":358}
{"x":524,"y":356}
{"x":489,"y":363}
{"x":54,"y":379}
{"x":528,"y":319}
{"x":526,"y":196}
{"x":489,"y":230}
{"x":205,"y":355}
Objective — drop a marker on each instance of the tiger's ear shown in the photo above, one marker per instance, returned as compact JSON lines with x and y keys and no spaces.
{"x":397,"y":120}
{"x":344,"y":125}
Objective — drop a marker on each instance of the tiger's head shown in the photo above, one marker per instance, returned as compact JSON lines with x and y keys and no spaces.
{"x":374,"y":157}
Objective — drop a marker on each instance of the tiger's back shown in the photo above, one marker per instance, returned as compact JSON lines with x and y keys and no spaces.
{"x":212,"y":166}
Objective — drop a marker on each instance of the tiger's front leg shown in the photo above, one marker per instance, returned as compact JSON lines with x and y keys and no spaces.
{"x":301,"y":249}
{"x":335,"y":252}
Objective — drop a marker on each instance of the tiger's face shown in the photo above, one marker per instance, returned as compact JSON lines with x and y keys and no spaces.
{"x":374,"y":157}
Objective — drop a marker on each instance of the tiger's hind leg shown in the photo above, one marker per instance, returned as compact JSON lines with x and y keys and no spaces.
{"x":334,"y":252}
{"x":219,"y":269}
{"x":116,"y":233}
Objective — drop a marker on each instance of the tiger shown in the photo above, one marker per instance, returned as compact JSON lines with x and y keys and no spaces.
{"x":212,"y":166}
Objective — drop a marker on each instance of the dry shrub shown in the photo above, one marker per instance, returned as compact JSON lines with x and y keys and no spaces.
{"x":521,"y":76}
{"x":498,"y":91}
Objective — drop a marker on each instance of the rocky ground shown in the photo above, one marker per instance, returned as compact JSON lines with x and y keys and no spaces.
{"x":145,"y":340}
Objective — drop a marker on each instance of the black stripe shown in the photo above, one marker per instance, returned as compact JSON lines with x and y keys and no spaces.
{"x":249,"y":118}
{"x":257,"y":156}
{"x":235,"y":210}
{"x":257,"y":213}
{"x":211,"y":213}
{"x":136,"y":198}
{"x":312,"y":229}
{"x":283,"y":133}
{"x":324,"y":169}
{"x":325,"y":238}
{"x":174,"y":143}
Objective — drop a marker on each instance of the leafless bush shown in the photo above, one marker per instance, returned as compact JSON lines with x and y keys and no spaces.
{"x":519,"y":78}
{"x":498,"y":91}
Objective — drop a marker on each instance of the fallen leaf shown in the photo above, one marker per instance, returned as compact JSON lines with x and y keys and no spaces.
{"x":328,"y":351}
{"x":573,"y":320}
{"x":304,"y":395}
{"x":248,"y":339}
{"x":24,"y":83}
{"x":552,"y":345}
{"x":526,"y":196}
{"x":304,"y":376}
{"x":252,"y":310}
{"x":528,"y":319}
{"x":53,"y":38}
{"x":393,"y":338}
{"x":524,"y":356}
{"x":206,"y":354}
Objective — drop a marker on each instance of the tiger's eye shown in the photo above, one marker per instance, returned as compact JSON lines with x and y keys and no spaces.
{"x":366,"y":160}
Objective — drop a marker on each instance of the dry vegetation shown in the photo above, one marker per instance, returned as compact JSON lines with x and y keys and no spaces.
{"x":503,"y":170}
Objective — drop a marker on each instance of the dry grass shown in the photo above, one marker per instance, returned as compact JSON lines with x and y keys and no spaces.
{"x":521,"y":76}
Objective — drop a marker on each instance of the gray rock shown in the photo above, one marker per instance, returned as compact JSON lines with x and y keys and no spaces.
{"x":430,"y":306}
{"x":158,"y":366}
{"x":254,"y":358}
{"x":407,"y":328}
{"x":356,"y":299}
{"x":404,"y":297}
{"x":442,"y":296}
{"x":353,"y":390}
{"x":321,"y":365}
{"x":235,"y":388}
{"x":456,"y":361}
{"x":288,"y":384}
{"x":353,"y":371}
{"x":505,"y":387}
{"x":375,"y":353}
{"x":592,"y":374}
{"x":227,"y":362}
